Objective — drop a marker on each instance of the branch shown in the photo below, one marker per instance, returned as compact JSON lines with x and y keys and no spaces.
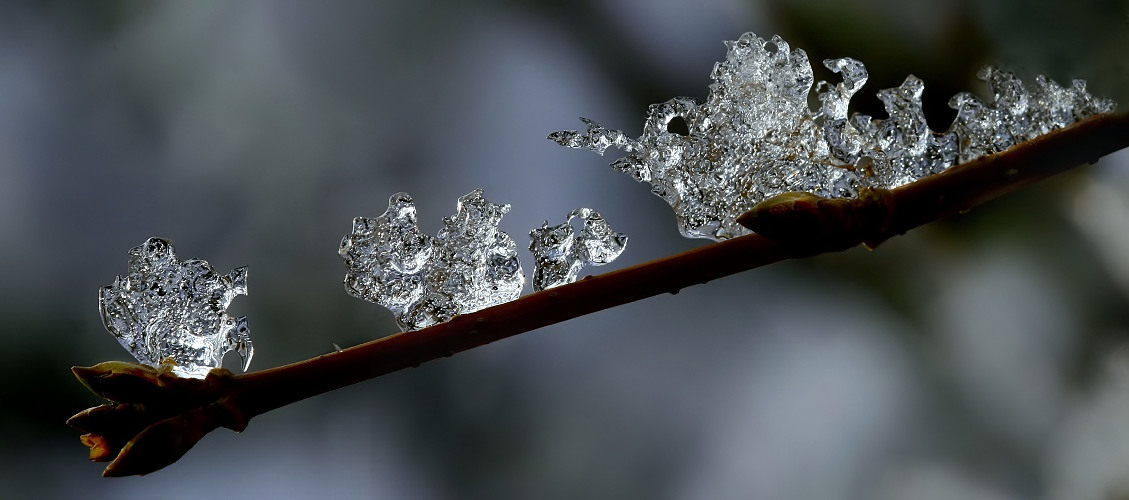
{"x":171,"y":414}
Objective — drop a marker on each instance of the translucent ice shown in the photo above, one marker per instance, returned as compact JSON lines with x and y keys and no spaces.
{"x":755,"y":136}
{"x":168,"y":311}
{"x":469,"y":265}
{"x":559,"y":253}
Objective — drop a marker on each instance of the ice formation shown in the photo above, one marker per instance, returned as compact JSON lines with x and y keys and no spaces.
{"x":469,"y":265}
{"x":559,"y":253}
{"x":755,"y":136}
{"x":168,"y":311}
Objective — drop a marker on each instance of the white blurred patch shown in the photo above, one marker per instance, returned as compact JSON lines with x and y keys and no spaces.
{"x":1089,"y":454}
{"x":677,"y":35}
{"x":1101,"y":210}
{"x":814,"y":413}
{"x":1005,"y":333}
{"x":927,"y":481}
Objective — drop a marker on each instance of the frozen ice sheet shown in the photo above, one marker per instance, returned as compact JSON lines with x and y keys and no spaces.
{"x":560,"y":254}
{"x":168,"y":311}
{"x":469,"y":265}
{"x":755,"y":136}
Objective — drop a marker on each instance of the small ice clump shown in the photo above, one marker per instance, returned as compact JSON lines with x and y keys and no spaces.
{"x":469,"y":265}
{"x":755,"y":136}
{"x":559,"y":253}
{"x":168,"y":311}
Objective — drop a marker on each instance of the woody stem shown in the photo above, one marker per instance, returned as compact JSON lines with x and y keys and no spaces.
{"x":956,"y":190}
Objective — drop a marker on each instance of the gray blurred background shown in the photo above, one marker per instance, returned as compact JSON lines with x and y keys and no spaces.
{"x":983,"y":357}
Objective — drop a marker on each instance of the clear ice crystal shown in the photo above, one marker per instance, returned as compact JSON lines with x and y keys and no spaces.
{"x":469,"y":265}
{"x":560,"y":254}
{"x":168,"y":311}
{"x":755,"y":135}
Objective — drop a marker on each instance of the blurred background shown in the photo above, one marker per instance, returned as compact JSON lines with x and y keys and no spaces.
{"x":982,"y":357}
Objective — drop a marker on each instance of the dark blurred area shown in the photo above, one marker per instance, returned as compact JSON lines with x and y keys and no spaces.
{"x":982,"y":357}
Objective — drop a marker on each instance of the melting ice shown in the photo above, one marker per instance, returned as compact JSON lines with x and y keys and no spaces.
{"x":560,"y":253}
{"x":469,"y":265}
{"x":755,"y":136}
{"x":171,"y":311}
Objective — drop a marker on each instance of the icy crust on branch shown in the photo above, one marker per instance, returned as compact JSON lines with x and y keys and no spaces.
{"x":168,"y":311}
{"x":469,"y":265}
{"x":755,"y":136}
{"x":560,"y":253}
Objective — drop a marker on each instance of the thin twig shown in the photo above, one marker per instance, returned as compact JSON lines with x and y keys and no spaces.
{"x":872,"y":218}
{"x":955,"y":190}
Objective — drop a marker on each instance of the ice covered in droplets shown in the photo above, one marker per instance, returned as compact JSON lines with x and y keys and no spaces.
{"x":168,"y":311}
{"x":469,"y":265}
{"x":560,"y":254}
{"x":755,"y":136}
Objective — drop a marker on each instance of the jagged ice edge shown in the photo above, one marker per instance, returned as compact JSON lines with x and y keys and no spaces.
{"x":171,"y":312}
{"x":755,"y":136}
